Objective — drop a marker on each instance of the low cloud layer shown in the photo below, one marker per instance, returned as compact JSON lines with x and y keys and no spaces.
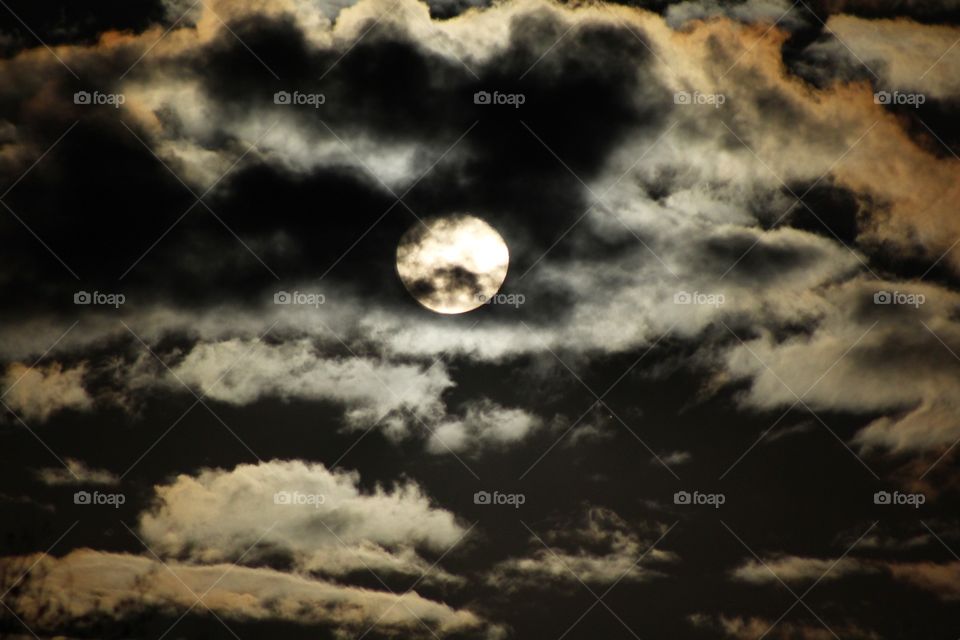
{"x":96,"y":586}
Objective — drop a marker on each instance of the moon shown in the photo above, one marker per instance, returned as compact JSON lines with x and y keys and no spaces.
{"x":452,"y":264}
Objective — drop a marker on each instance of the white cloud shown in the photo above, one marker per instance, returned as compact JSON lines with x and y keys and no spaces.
{"x":76,"y":473}
{"x":39,"y":392}
{"x":673,"y":458}
{"x":85,"y":586}
{"x":485,"y":425}
{"x":791,"y":569}
{"x":241,"y":371}
{"x":908,"y":56}
{"x":899,"y":366}
{"x":217,"y":515}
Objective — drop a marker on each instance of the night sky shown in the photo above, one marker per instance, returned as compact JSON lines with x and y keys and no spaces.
{"x":717,"y":396}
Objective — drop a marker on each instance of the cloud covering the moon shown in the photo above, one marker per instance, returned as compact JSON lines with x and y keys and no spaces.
{"x":690,"y":272}
{"x":452,"y":264}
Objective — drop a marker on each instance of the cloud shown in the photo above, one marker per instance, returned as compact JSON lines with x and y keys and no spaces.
{"x":324,"y":523}
{"x":602,"y":550}
{"x":87,"y":588}
{"x":673,"y":458}
{"x":751,"y":627}
{"x":315,"y":524}
{"x":909,"y":57}
{"x":781,"y":12}
{"x":795,"y":569}
{"x":39,"y":392}
{"x":938,"y":578}
{"x":372,"y":390}
{"x":709,"y":209}
{"x":76,"y":473}
{"x":877,"y":541}
{"x":856,"y":358}
{"x":485,"y":425}
{"x":665,"y":198}
{"x":943,"y":580}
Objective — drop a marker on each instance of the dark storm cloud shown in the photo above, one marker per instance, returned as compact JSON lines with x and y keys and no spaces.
{"x":26,"y":23}
{"x":759,"y":262}
{"x":388,"y":88}
{"x":580,"y":101}
{"x":816,"y":57}
{"x":454,"y":279}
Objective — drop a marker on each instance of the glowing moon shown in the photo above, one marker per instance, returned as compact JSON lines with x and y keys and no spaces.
{"x":452,"y":264}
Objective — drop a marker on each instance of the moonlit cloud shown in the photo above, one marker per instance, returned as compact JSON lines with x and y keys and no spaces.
{"x":95,"y":585}
{"x":796,"y":569}
{"x":484,"y":425}
{"x":748,"y":627}
{"x":939,"y":579}
{"x":693,"y":234}
{"x":700,"y":201}
{"x":322,"y":521}
{"x":39,"y":392}
{"x":374,"y":392}
{"x":76,"y":473}
{"x":567,"y":558}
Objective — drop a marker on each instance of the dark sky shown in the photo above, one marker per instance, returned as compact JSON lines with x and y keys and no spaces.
{"x":733,"y":234}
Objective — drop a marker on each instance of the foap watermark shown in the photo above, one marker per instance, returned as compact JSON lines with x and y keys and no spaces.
{"x":299,"y":99}
{"x":299,"y":297}
{"x":512,"y":99}
{"x":899,"y":298}
{"x":512,"y":499}
{"x":898,"y":98}
{"x":697,"y":98}
{"x":696,"y":498}
{"x":510,"y":299}
{"x":298,"y":499}
{"x":896,"y":498}
{"x":99,"y":98}
{"x":699,"y":297}
{"x":97,"y":498}
{"x":99,"y":298}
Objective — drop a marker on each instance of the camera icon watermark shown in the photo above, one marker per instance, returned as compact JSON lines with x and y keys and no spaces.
{"x":512,"y":99}
{"x":299,"y":99}
{"x":897,"y":498}
{"x":699,"y":298}
{"x":497,"y":498}
{"x":96,"y":498}
{"x":88,"y":98}
{"x":297,"y":499}
{"x":99,"y":298}
{"x":716,"y":100}
{"x":898,"y":98}
{"x":696,"y":498}
{"x":899,"y":298}
{"x":300,"y":298}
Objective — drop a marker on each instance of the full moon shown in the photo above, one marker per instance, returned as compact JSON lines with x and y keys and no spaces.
{"x":452,"y":264}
